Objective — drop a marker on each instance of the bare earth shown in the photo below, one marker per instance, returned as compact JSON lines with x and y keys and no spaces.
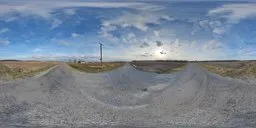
{"x":126,"y":97}
{"x":160,"y":67}
{"x":96,"y":67}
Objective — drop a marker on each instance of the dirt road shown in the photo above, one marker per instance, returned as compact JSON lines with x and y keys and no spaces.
{"x":127,"y":97}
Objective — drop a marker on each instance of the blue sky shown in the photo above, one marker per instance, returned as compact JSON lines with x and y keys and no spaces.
{"x":129,"y":30}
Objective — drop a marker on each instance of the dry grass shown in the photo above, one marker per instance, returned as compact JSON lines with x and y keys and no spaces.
{"x":21,"y":69}
{"x":246,"y":69}
{"x":94,"y":67}
{"x":160,"y":67}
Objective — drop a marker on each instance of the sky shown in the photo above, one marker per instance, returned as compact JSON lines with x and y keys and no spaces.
{"x":128,"y":30}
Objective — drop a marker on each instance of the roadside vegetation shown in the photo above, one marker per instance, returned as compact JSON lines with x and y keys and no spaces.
{"x":238,"y":69}
{"x":95,"y":67}
{"x":21,"y":69}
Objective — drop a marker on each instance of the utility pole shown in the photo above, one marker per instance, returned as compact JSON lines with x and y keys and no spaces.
{"x":101,"y":53}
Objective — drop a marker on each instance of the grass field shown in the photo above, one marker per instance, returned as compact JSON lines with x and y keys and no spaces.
{"x":94,"y":67}
{"x":21,"y":69}
{"x":160,"y":67}
{"x":236,"y":69}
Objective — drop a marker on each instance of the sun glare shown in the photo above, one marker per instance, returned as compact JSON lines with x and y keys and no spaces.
{"x":160,"y":53}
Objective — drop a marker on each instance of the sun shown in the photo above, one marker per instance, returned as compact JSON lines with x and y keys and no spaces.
{"x":160,"y":53}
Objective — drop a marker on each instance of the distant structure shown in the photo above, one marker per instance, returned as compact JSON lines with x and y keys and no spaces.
{"x":100,"y":53}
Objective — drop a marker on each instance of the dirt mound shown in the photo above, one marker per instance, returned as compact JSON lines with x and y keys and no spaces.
{"x":124,"y":86}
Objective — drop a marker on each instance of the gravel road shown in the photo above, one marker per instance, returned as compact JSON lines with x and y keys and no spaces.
{"x":128,"y":98}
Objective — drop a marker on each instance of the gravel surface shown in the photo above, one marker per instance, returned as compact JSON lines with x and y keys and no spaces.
{"x":128,"y":98}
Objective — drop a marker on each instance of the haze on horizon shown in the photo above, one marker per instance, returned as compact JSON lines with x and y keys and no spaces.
{"x":65,"y":29}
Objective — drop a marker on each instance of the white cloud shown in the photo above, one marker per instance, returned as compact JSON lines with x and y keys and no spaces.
{"x":4,"y":30}
{"x":70,"y":11}
{"x":56,"y":23}
{"x":204,"y":23}
{"x":104,"y":32}
{"x":156,"y":33}
{"x":144,"y":45}
{"x":129,"y":20}
{"x":194,"y":31}
{"x":37,"y":50}
{"x":177,"y":43}
{"x":131,"y":36}
{"x":136,"y":20}
{"x":64,"y":42}
{"x":178,"y":49}
{"x":60,"y":56}
{"x":213,"y":45}
{"x":139,"y":20}
{"x":235,"y":12}
{"x":215,"y":23}
{"x":193,"y":44}
{"x":10,"y":19}
{"x":45,"y":8}
{"x":218,"y":27}
{"x":219,"y":31}
{"x":75,"y":35}
{"x":246,"y":51}
{"x":166,"y":17}
{"x":4,"y":42}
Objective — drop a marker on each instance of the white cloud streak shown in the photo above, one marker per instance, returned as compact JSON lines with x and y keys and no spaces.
{"x":4,"y":30}
{"x":138,"y":21}
{"x":75,"y":35}
{"x":217,"y":27}
{"x":70,"y":11}
{"x":219,"y":31}
{"x":213,"y":45}
{"x":235,"y":12}
{"x":4,"y":42}
{"x":37,"y":50}
{"x":56,"y":23}
{"x":45,"y":8}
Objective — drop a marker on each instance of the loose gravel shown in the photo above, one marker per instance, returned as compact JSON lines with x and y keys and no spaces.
{"x":128,"y":98}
